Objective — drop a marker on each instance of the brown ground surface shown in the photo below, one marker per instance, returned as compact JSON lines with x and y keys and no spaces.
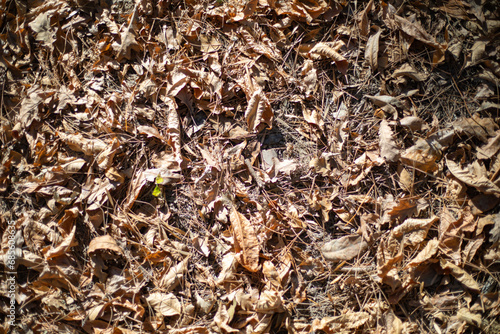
{"x":254,"y":166}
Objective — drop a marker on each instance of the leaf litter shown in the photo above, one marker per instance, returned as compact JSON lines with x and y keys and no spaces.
{"x":251,"y":167}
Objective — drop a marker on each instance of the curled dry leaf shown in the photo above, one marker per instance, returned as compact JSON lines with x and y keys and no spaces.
{"x":301,"y":10}
{"x":384,"y":100}
{"x":127,"y":44}
{"x":246,"y":240}
{"x":248,"y":10}
{"x":313,"y":117}
{"x":425,"y":254}
{"x":269,"y":301}
{"x":474,"y":175}
{"x":81,"y":144}
{"x":414,"y":230}
{"x":388,"y":148}
{"x":105,"y":158}
{"x":349,"y":321}
{"x":364,"y":23}
{"x":345,"y":248}
{"x":67,"y":227}
{"x":408,"y":71}
{"x":150,"y":131}
{"x":264,"y":47}
{"x":416,"y":31}
{"x":173,"y":277}
{"x":229,"y":263}
{"x":271,"y":274}
{"x":104,"y":242}
{"x":73,"y":166}
{"x":460,"y":275}
{"x":473,"y":319}
{"x":490,"y":149}
{"x":223,"y":317}
{"x":310,"y":77}
{"x":481,"y":128}
{"x":258,"y":111}
{"x":327,"y":51}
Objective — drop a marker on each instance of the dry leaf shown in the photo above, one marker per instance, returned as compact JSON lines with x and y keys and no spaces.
{"x":222,"y":319}
{"x":371,"y":51}
{"x":414,"y":230}
{"x":150,"y":131}
{"x":80,"y":144}
{"x":246,"y":240}
{"x":408,"y":71}
{"x":490,"y":149}
{"x":482,"y":128}
{"x":247,"y":11}
{"x":474,"y":175}
{"x":384,"y":100}
{"x":229,"y":263}
{"x":173,"y":277}
{"x":104,"y":242}
{"x":461,"y":275}
{"x":165,"y":304}
{"x":388,"y":148}
{"x":364,"y":24}
{"x":471,"y":318}
{"x":412,"y":122}
{"x":345,"y":248}
{"x":310,"y":77}
{"x":313,"y":117}
{"x":343,"y":323}
{"x":126,"y":45}
{"x":67,"y":227}
{"x":425,"y":254}
{"x":258,"y":111}
{"x":415,"y":30}
{"x":325,"y":50}
{"x":422,"y":156}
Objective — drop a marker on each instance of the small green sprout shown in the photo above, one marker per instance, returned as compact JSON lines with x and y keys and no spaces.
{"x":157,"y":189}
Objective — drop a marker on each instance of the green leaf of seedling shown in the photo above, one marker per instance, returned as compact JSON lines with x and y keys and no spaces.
{"x":156,"y":191}
{"x":159,"y":180}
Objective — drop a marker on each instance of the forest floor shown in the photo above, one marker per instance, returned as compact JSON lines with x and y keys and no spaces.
{"x":256,"y":166}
